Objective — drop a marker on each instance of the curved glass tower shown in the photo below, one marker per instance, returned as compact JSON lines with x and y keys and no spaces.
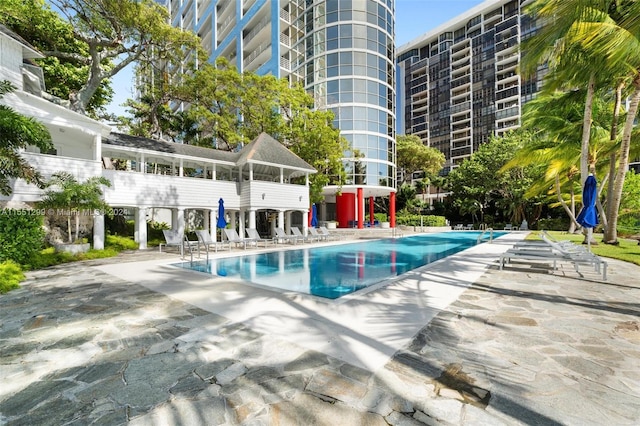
{"x":349,"y":67}
{"x":342,"y":51}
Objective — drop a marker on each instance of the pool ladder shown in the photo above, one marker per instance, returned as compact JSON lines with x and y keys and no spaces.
{"x":490,"y":230}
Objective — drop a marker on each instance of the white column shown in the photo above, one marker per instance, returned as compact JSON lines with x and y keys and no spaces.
{"x":281,"y":219}
{"x":180,"y":221}
{"x":252,"y":219}
{"x":97,"y":148}
{"x":287,"y":222}
{"x":305,"y":222}
{"x":213,"y":173}
{"x":250,"y":171}
{"x":181,"y":171}
{"x":143,"y":164}
{"x":141,"y":227}
{"x":136,"y":225}
{"x":213,"y":224}
{"x":174,"y":219}
{"x":205,"y":218}
{"x":98,"y":231}
{"x":281,"y":175}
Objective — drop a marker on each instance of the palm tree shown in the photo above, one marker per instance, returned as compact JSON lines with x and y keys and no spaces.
{"x":75,"y":198}
{"x":18,"y":132}
{"x":570,"y":65}
{"x":558,"y":118}
{"x":592,"y":44}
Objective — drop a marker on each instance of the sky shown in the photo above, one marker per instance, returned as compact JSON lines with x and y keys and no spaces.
{"x":413,"y":19}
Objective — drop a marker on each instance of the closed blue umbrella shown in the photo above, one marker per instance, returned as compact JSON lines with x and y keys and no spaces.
{"x":588,"y":216}
{"x":221,"y":223}
{"x":314,"y":215}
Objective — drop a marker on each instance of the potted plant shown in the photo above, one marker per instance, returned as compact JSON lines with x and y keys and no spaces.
{"x":64,"y":194}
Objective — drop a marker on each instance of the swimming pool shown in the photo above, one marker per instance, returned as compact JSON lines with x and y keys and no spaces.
{"x":337,"y":270}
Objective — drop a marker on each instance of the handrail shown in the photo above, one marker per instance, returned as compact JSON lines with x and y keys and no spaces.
{"x":482,"y":235}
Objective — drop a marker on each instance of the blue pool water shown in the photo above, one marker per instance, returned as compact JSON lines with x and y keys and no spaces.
{"x":337,"y":270}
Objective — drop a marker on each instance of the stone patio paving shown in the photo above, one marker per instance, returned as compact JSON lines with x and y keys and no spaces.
{"x":519,"y":346}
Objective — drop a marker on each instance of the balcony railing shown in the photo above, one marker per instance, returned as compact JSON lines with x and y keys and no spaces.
{"x":285,"y":64}
{"x":285,"y":40}
{"x":256,"y":29}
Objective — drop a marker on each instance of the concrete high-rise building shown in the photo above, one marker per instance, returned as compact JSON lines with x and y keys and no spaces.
{"x":458,"y":84}
{"x":342,"y":51}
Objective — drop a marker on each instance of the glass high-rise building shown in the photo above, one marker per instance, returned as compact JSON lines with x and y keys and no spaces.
{"x":458,"y":84}
{"x":342,"y":51}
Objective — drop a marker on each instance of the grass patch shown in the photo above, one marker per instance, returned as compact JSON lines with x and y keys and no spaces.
{"x":10,"y":276}
{"x":628,"y":250}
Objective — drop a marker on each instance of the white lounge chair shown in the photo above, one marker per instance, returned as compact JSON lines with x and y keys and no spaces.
{"x":282,"y":236}
{"x":204,"y":239}
{"x":555,"y":252}
{"x":325,"y":232}
{"x":234,"y":238}
{"x":254,"y":236}
{"x":309,"y":238}
{"x":177,"y":239}
{"x":314,"y":233}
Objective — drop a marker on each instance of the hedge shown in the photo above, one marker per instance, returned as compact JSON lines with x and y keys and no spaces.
{"x":21,"y":235}
{"x":418,"y":220}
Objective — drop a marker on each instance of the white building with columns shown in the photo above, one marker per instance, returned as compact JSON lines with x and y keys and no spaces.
{"x":264,"y":182}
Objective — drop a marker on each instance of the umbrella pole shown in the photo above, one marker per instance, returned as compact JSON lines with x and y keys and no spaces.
{"x":589,"y":233}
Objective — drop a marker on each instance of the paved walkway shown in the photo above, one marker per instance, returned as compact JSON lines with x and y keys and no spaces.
{"x":82,"y":346}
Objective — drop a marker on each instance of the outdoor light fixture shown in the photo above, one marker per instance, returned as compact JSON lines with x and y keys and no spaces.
{"x":263,"y":195}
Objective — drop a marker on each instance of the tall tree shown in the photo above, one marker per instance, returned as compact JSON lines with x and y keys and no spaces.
{"x":556,"y":120}
{"x":481,"y":181}
{"x":115,"y":33}
{"x":570,"y":65}
{"x":607,"y":35}
{"x":414,"y":156}
{"x":18,"y":132}
{"x":66,"y":192}
{"x":228,"y":109}
{"x":46,"y":30}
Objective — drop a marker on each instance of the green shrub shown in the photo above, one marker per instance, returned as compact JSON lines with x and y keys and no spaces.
{"x":629,"y":224}
{"x":380,"y":217}
{"x":418,"y":220}
{"x":50,"y":257}
{"x":118,"y":243}
{"x":98,"y":254}
{"x":10,"y":276}
{"x":154,"y":231}
{"x":21,"y":235}
{"x":558,"y":224}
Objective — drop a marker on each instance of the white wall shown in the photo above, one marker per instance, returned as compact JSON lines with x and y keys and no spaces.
{"x":151,"y":190}
{"x":47,"y":165}
{"x":10,"y":61}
